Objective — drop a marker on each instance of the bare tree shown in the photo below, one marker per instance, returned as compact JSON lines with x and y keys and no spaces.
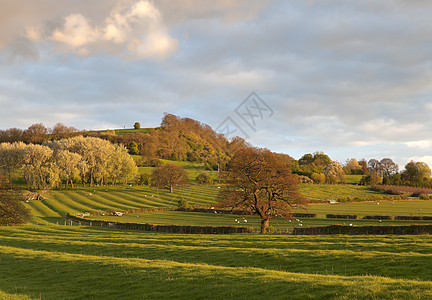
{"x":388,"y":167}
{"x":374,"y":166}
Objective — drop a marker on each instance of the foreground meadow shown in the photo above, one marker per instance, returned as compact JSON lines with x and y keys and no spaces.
{"x":68,"y":262}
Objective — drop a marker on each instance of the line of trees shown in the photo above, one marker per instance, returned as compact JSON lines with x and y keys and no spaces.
{"x":86,"y":160}
{"x":321,"y":169}
{"x":38,"y":133}
{"x":386,"y":172}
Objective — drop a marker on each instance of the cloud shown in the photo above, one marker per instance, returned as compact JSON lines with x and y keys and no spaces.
{"x":135,"y":31}
{"x":76,"y":32}
{"x":132,"y":30}
{"x":427,"y":159}
{"x":423,"y":144}
{"x":351,"y":78}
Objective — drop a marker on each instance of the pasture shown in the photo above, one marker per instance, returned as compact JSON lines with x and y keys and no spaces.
{"x":63,"y":262}
{"x":192,"y":169}
{"x":115,"y":198}
{"x":112,"y":198}
{"x":77,"y":262}
{"x":323,"y":192}
{"x":408,"y":208}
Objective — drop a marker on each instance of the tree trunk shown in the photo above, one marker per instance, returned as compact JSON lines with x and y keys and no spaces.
{"x":264,"y":225}
{"x":171,"y":188}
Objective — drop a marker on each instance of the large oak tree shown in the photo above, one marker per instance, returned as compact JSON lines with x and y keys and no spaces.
{"x":169,"y":176}
{"x":260,"y":181}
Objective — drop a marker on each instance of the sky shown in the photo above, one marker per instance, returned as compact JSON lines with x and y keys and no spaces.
{"x":350,"y":78}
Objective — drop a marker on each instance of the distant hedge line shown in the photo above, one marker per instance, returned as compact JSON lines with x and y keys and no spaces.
{"x":378,"y":217}
{"x":211,"y":210}
{"x":360,"y":230}
{"x":351,"y":217}
{"x":428,"y":218}
{"x":301,"y":215}
{"x":164,"y":228}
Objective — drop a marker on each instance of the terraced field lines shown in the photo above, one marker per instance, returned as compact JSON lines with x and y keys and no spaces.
{"x":65,"y":204}
{"x":89,"y":203}
{"x":114,"y":202}
{"x":87,"y":197}
{"x":150,"y":200}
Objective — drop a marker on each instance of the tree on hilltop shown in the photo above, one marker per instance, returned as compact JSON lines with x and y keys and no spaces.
{"x":260,"y":181}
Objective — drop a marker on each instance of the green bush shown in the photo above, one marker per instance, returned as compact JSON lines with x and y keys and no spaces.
{"x":270,"y":230}
{"x":423,"y":197}
{"x":204,"y":178}
{"x":182,"y":203}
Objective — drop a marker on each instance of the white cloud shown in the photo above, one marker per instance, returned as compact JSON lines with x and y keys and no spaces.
{"x":135,"y":31}
{"x":427,"y":159}
{"x":423,"y":144}
{"x":76,"y":32}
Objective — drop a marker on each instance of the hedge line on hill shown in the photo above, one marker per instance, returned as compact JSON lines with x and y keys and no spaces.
{"x":211,"y":210}
{"x":361,"y":230}
{"x":378,"y":217}
{"x":351,"y":217}
{"x":304,"y":215}
{"x":164,"y":228}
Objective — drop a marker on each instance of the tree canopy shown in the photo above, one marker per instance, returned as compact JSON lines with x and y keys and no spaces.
{"x":12,"y":210}
{"x":169,"y":176}
{"x":260,"y":181}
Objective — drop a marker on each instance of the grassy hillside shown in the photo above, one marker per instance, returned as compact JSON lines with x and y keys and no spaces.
{"x":337,"y":191}
{"x":59,"y":203}
{"x":122,"y":132}
{"x":59,"y":262}
{"x":192,"y":169}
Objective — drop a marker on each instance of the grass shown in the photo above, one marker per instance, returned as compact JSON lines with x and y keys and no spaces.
{"x":353,"y":179}
{"x":388,"y":208}
{"x":122,"y":132}
{"x":61,"y":262}
{"x":192,"y":169}
{"x":208,"y":219}
{"x":74,"y":262}
{"x":331,"y":191}
{"x":113,"y":198}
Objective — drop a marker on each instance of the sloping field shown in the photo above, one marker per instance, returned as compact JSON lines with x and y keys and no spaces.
{"x":192,"y":169}
{"x":60,"y":262}
{"x":337,"y":191}
{"x":79,"y":200}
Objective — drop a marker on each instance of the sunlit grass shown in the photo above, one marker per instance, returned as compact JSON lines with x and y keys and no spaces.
{"x":61,"y":262}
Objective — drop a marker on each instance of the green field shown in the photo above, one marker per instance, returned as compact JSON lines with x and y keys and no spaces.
{"x":101,"y":199}
{"x":405,"y":208}
{"x":113,"y":198}
{"x":192,"y":169}
{"x":337,"y":191}
{"x":78,"y":262}
{"x":124,"y":131}
{"x":61,"y":262}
